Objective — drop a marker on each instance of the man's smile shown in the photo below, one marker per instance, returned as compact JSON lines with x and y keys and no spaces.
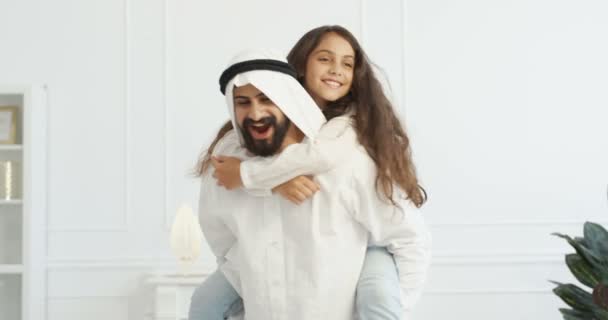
{"x":261,"y":131}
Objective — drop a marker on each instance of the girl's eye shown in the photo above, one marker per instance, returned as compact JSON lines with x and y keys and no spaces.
{"x":242,"y":103}
{"x":324,"y":59}
{"x":349,"y":65}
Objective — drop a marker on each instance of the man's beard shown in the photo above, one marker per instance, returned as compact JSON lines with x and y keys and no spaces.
{"x":264,"y":147}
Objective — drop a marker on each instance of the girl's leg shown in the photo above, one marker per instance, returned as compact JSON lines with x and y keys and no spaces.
{"x":378,"y":291}
{"x":214,"y":299}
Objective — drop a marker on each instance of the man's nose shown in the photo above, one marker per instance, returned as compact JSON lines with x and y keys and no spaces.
{"x":256,"y":112}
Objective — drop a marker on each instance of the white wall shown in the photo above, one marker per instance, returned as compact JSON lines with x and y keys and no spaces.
{"x":507,"y":106}
{"x":505,"y":103}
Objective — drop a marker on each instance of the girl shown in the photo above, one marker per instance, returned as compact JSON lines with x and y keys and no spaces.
{"x":333,"y":68}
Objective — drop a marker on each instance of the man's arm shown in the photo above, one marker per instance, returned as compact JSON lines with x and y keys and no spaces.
{"x":402,"y":231}
{"x":221,"y":239}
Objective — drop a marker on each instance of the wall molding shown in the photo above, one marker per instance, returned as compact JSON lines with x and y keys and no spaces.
{"x":164,"y":266}
{"x":120,"y":297}
{"x":404,"y":58}
{"x":362,"y":23}
{"x":166,"y":68}
{"x":500,"y":291}
{"x":124,"y":225}
{"x":440,"y":258}
{"x":121,"y":263}
{"x":515,"y":223}
{"x":493,"y":258}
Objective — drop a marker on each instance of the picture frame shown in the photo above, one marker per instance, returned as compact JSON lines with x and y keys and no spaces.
{"x":8,"y":124}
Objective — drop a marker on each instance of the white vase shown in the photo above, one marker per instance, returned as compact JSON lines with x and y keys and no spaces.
{"x":186,"y":238}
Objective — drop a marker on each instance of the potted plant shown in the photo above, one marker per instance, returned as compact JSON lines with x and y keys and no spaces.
{"x":590,"y":266}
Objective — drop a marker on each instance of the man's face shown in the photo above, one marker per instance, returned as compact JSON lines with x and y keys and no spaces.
{"x":261,"y":122}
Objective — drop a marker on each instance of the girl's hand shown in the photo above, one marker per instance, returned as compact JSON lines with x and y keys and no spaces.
{"x":297,"y":189}
{"x":227,"y":172}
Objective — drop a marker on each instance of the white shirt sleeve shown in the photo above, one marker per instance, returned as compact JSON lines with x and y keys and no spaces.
{"x":332,"y":144}
{"x":221,"y":239}
{"x":402,"y":231}
{"x":219,"y":236}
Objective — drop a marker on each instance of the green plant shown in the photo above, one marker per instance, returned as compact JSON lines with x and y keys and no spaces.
{"x":590,"y":266}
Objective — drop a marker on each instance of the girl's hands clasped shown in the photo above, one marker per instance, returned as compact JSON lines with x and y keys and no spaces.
{"x":228,"y":175}
{"x":297,"y":189}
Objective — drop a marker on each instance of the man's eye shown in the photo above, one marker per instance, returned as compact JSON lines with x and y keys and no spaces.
{"x":242,"y":103}
{"x":323,"y":59}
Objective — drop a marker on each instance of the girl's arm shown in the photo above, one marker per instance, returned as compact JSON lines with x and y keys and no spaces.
{"x":226,"y":168}
{"x":335,"y":141}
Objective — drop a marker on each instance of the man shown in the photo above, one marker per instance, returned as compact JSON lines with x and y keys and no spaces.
{"x":293,"y":261}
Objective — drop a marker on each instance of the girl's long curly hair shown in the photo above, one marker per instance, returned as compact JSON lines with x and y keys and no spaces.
{"x":378,"y":129}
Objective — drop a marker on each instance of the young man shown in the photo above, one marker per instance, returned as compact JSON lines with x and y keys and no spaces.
{"x":292,"y":261}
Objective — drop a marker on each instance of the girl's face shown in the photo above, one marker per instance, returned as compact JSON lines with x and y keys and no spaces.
{"x":329,"y":69}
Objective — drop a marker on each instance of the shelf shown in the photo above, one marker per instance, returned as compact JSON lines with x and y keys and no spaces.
{"x":11,"y":202}
{"x":22,"y":218}
{"x":11,"y":268}
{"x":11,"y":147}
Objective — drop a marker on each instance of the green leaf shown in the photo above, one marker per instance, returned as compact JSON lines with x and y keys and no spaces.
{"x":603,"y":273}
{"x":595,"y":261}
{"x":597,"y":238}
{"x":575,"y":297}
{"x":581,"y":241}
{"x":571,"y":314}
{"x":582,"y":270}
{"x":600,"y":314}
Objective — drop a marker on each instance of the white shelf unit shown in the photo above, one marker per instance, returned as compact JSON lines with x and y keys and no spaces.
{"x":9,"y":202}
{"x":11,"y":147}
{"x":23,"y":214}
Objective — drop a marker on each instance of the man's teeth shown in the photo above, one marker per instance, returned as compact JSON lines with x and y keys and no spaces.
{"x":259,"y":129}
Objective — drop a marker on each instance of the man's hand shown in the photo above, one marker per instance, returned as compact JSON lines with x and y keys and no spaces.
{"x":297,"y":189}
{"x":227,"y":172}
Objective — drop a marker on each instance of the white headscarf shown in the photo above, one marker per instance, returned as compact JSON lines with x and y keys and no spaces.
{"x":284,"y":90}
